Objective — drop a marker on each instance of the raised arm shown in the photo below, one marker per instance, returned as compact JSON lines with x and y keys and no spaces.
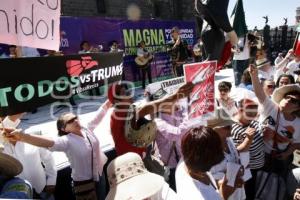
{"x":158,"y":105}
{"x":36,"y":140}
{"x":285,"y":60}
{"x":100,"y":114}
{"x":257,"y":86}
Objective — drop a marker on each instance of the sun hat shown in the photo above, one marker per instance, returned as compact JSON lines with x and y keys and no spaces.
{"x":261,"y":62}
{"x":280,"y":92}
{"x":145,"y":133}
{"x":221,"y":119}
{"x":9,"y":166}
{"x":129,"y":179}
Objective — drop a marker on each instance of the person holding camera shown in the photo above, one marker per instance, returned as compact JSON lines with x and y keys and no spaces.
{"x":240,"y":58}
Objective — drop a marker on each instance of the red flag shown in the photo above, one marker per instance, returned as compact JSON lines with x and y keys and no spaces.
{"x":297,"y":45}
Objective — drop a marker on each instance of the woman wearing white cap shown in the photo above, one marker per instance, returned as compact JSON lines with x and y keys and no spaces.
{"x":129,"y":180}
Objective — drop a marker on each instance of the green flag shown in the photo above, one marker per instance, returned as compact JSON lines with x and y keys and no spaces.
{"x":239,"y":22}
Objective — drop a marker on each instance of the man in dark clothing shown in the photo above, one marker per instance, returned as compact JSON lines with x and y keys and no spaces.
{"x":179,"y":52}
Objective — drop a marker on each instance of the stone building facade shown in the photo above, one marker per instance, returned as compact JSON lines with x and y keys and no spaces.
{"x":158,"y":9}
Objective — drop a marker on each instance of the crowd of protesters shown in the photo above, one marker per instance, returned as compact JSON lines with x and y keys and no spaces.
{"x":245,"y":151}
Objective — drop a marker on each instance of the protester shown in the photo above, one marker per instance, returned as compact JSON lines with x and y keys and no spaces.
{"x":280,"y":123}
{"x":86,"y":162}
{"x":39,"y":170}
{"x":128,"y":136}
{"x":171,"y":126}
{"x":129,"y":179}
{"x":293,"y":66}
{"x":265,"y":70}
{"x":201,"y":149}
{"x":280,"y":67}
{"x":246,"y":80}
{"x":234,"y":161}
{"x":284,"y":79}
{"x":268,"y":87}
{"x":224,"y":101}
{"x":12,"y":187}
{"x":247,"y":138}
{"x":279,"y":58}
{"x":241,"y":58}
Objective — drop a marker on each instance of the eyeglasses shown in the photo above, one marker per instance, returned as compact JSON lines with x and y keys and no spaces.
{"x":271,"y":86}
{"x":292,"y":100}
{"x":70,"y":121}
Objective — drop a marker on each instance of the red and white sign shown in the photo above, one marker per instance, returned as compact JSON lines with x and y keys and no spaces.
{"x":202,"y":97}
{"x":297,"y":45}
{"x":31,"y":23}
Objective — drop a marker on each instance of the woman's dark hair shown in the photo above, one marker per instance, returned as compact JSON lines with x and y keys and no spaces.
{"x":290,"y":77}
{"x":201,"y":149}
{"x":82,"y":43}
{"x":224,"y":85}
{"x":246,"y":78}
{"x":61,"y":124}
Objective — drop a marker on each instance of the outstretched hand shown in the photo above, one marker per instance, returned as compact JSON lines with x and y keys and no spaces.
{"x":185,"y":90}
{"x":12,"y":134}
{"x":253,"y":70}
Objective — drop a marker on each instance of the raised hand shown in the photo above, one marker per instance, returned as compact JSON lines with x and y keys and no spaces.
{"x":185,"y":90}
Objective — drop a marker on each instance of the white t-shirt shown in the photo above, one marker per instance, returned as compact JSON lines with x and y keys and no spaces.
{"x":287,"y":130}
{"x":245,"y":54}
{"x":218,"y":171}
{"x":189,"y":188}
{"x":166,"y":193}
{"x":266,"y":75}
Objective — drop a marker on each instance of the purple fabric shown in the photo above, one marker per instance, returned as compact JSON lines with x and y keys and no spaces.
{"x":170,"y":128}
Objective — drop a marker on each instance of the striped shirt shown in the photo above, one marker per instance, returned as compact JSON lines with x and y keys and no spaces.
{"x":256,"y":150}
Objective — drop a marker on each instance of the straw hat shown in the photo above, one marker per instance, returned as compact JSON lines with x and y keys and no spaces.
{"x":279,"y":93}
{"x":261,"y":62}
{"x":9,"y":166}
{"x":221,"y":119}
{"x":129,"y":179}
{"x":144,"y":135}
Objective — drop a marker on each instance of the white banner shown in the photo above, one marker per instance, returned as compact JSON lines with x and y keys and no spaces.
{"x":31,"y":23}
{"x":160,"y":89}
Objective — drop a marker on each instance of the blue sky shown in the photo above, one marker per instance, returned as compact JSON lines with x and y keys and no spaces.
{"x":275,"y":9}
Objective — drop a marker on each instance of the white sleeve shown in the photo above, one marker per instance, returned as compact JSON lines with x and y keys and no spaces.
{"x":60,"y":144}
{"x":140,"y":52}
{"x":50,"y":168}
{"x":9,"y":123}
{"x":100,"y":114}
{"x":268,"y":106}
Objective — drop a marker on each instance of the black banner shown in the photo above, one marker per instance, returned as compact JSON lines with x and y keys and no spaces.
{"x":27,"y":83}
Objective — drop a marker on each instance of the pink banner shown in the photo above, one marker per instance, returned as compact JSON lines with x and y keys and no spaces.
{"x":31,"y":23}
{"x":202,"y":98}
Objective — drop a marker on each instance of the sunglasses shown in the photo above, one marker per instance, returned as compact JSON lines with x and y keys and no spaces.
{"x":223,"y":90}
{"x":292,"y":100}
{"x":271,"y":86}
{"x":70,"y":121}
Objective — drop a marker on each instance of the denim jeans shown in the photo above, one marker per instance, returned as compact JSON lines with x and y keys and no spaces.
{"x":239,"y":67}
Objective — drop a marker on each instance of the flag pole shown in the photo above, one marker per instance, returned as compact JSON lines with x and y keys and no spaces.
{"x":295,"y":42}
